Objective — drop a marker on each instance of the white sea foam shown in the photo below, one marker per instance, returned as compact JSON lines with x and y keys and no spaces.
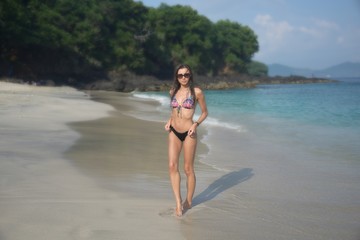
{"x":163,"y":100}
{"x":164,"y":106}
{"x":210,"y":121}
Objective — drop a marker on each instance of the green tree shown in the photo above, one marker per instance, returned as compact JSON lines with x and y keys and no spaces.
{"x":235,"y":46}
{"x":103,"y":31}
{"x":30,"y":22}
{"x":258,"y":69}
{"x":181,"y":35}
{"x":125,"y":23}
{"x":123,"y":35}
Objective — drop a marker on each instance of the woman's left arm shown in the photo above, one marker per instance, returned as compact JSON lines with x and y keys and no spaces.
{"x":204,"y":112}
{"x":202,"y":103}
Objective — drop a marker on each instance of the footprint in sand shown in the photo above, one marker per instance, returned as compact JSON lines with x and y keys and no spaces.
{"x":169,"y":212}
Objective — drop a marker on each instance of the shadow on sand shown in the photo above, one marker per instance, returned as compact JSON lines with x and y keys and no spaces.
{"x":222,"y":184}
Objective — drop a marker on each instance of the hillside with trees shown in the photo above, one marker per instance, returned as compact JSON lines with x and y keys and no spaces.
{"x":123,"y":45}
{"x":83,"y":40}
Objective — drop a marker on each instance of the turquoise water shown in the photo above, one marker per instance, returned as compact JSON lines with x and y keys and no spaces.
{"x":329,"y":104}
{"x":316,"y":120}
{"x":288,"y":154}
{"x":295,"y":138}
{"x":335,"y":104}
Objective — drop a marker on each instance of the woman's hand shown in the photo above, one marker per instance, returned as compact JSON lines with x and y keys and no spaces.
{"x":192,"y":130}
{"x":167,"y":126}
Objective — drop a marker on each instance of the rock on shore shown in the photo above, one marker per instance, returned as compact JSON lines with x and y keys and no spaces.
{"x":128,"y":82}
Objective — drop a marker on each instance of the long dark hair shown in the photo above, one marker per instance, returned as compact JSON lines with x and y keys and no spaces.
{"x":176,"y":85}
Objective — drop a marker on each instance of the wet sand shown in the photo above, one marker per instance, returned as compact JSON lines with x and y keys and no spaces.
{"x":99,"y":188}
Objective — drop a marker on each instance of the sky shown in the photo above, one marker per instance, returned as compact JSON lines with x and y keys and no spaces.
{"x":313,"y":34}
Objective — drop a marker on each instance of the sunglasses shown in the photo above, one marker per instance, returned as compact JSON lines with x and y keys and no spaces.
{"x":186,"y":75}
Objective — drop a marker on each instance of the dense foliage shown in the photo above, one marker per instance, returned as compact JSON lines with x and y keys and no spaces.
{"x":121,"y":35}
{"x":258,"y":69}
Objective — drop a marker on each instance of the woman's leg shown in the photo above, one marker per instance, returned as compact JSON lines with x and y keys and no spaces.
{"x":174,"y":153}
{"x":189,"y":156}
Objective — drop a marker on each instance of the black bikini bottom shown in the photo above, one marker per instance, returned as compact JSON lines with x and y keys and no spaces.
{"x":181,"y":136}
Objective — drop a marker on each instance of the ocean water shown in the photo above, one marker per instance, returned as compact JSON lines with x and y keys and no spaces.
{"x":322,"y":118}
{"x":284,"y":157}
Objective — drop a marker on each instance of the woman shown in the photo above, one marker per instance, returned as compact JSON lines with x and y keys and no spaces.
{"x":182,"y":133}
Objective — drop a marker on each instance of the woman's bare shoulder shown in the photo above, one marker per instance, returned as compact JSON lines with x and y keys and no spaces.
{"x":198,"y":90}
{"x":198,"y":93}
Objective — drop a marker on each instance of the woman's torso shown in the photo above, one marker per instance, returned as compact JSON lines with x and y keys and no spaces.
{"x":183,"y":109}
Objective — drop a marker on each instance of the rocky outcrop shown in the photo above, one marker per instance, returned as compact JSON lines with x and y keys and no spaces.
{"x":127,"y":82}
{"x":38,"y":66}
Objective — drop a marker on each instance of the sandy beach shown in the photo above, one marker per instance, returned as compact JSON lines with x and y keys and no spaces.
{"x":75,"y":171}
{"x":78,"y":165}
{"x":57,"y":184}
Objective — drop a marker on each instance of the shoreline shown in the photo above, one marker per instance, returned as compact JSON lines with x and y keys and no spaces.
{"x":115,"y":146}
{"x":119,"y":83}
{"x":121,"y":133}
{"x":129,"y":155}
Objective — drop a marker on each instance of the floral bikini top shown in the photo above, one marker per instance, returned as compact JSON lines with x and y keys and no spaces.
{"x":188,"y":103}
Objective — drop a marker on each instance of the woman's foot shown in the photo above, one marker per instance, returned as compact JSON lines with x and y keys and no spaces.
{"x":186,"y":205}
{"x":179,"y":211}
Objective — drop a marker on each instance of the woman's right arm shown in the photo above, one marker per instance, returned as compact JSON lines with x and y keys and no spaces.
{"x":167,"y":125}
